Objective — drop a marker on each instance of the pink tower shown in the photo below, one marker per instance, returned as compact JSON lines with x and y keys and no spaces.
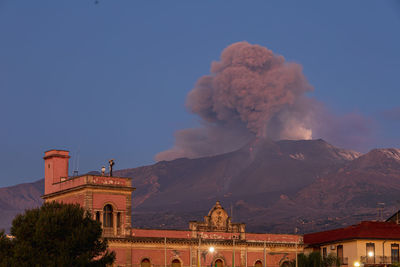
{"x":55,"y":168}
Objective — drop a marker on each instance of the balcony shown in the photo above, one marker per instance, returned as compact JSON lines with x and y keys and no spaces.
{"x":384,"y":260}
{"x":376,"y":260}
{"x":344,"y":261}
{"x":109,"y":232}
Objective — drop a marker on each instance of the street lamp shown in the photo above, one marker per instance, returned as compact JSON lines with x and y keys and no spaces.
{"x":357,"y":264}
{"x":211,"y":250}
{"x":370,"y":254}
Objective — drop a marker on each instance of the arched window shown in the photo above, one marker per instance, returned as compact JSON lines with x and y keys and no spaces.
{"x":176,"y":263}
{"x":118,"y":219}
{"x":145,"y":263}
{"x":108,"y":216}
{"x":285,"y":264}
{"x":258,"y":264}
{"x":219,"y":263}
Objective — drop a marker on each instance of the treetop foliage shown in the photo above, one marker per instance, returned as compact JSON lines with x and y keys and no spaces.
{"x":55,"y":234}
{"x":314,"y":259}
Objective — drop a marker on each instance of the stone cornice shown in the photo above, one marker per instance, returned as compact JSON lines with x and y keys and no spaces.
{"x":195,"y":242}
{"x":89,"y":186}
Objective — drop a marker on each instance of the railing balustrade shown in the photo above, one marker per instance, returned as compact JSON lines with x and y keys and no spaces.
{"x":376,"y":260}
{"x":108,"y":231}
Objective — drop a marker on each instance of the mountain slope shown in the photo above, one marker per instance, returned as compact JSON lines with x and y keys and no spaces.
{"x":260,"y":167}
{"x":376,"y":173}
{"x":16,"y":199}
{"x":271,"y":186}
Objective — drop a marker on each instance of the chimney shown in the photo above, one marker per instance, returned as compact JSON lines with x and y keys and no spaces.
{"x":55,"y":168}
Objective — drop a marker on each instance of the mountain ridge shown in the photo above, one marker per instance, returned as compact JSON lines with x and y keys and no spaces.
{"x":271,"y":186}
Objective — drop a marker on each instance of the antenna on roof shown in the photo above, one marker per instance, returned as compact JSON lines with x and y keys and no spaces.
{"x":73,"y":162}
{"x":397,"y":211}
{"x":381,"y":206}
{"x":231,"y":212}
{"x":76,"y":170}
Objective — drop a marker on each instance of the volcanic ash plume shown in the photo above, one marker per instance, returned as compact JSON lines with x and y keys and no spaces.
{"x":249,"y":85}
{"x":250,"y":92}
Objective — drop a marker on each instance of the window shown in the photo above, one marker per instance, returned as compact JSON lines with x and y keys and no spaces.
{"x":340,"y":253}
{"x":98,"y":216}
{"x":219,"y":263}
{"x":324,"y":253}
{"x":258,"y":264}
{"x":145,"y":263}
{"x":108,"y":216}
{"x":370,"y":252}
{"x":395,"y":253}
{"x":119,"y":219}
{"x":176,"y":263}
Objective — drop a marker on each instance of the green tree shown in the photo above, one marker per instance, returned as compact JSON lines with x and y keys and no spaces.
{"x":314,"y":259}
{"x":6,"y":246}
{"x":58,"y":234}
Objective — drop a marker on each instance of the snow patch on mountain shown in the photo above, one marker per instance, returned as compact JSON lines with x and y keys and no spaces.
{"x":349,"y":154}
{"x":298,"y":156}
{"x":393,"y":153}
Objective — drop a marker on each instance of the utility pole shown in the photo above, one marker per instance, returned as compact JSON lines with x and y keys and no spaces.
{"x":165,"y":251}
{"x":233,"y":254}
{"x":198,"y":254}
{"x":265,"y":255}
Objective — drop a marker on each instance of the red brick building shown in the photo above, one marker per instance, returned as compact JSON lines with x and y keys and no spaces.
{"x":216,"y":241}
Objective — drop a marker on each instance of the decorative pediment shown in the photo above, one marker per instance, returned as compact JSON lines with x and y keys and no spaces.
{"x":217,"y":220}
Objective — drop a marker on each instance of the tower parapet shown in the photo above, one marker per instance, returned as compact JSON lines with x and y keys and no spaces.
{"x":107,"y":198}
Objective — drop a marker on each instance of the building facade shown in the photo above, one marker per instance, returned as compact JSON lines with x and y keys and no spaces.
{"x":368,"y":243}
{"x":216,"y":241}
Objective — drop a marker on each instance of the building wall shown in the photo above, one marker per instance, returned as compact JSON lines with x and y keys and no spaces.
{"x":382,"y":248}
{"x":162,"y":254}
{"x":160,"y":233}
{"x":355,"y":250}
{"x":75,"y":197}
{"x":349,"y":250}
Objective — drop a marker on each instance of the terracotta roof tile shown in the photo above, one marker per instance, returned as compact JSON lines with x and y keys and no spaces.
{"x":363,"y":230}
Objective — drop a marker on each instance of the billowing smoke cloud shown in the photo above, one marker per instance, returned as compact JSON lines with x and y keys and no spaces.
{"x":251,"y":92}
{"x":248,"y":86}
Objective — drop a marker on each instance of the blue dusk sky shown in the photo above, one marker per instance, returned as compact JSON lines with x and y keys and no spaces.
{"x":109,"y":79}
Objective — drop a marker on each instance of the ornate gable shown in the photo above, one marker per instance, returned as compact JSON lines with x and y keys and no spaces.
{"x":218,"y":220}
